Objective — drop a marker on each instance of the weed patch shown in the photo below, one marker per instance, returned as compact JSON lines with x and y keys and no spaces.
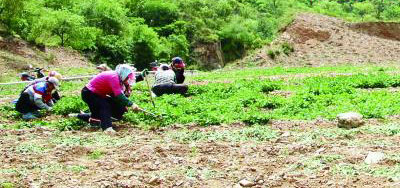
{"x":252,"y":133}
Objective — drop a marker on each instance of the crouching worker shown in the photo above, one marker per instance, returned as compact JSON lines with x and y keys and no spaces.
{"x":55,"y":95}
{"x":35,"y":97}
{"x":165,"y":82}
{"x":105,"y":97}
{"x":178,"y":66}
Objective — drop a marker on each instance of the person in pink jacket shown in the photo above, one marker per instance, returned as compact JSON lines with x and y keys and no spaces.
{"x":104,"y":94}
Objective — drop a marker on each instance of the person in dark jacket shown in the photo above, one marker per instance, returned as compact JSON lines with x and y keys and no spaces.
{"x":178,"y":66}
{"x":165,"y":82}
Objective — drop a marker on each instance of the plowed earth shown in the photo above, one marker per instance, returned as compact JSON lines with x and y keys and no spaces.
{"x":303,"y":154}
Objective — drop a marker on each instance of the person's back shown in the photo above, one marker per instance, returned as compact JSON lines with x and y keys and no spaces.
{"x":105,"y":83}
{"x":164,"y":77}
{"x":165,"y":82}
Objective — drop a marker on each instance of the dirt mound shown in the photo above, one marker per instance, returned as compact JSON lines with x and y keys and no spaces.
{"x":17,"y":55}
{"x":386,"y":30}
{"x":322,"y":40}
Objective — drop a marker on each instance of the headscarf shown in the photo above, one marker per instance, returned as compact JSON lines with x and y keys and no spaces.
{"x":123,"y":71}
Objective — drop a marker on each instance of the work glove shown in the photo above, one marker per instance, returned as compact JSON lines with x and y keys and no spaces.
{"x":145,"y":72}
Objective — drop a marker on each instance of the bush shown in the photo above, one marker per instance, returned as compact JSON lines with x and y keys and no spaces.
{"x":287,"y":48}
{"x":268,"y":87}
{"x":271,"y":54}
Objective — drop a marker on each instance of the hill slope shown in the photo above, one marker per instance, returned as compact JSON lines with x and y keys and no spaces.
{"x":16,"y":55}
{"x":322,"y":40}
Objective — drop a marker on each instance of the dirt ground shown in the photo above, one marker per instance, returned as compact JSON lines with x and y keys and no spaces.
{"x":303,"y":154}
{"x":320,"y":40}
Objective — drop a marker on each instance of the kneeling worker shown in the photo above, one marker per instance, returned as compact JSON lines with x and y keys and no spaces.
{"x":105,"y":97}
{"x":165,"y":82}
{"x":35,"y":97}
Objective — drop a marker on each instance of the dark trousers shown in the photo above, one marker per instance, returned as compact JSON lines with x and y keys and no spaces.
{"x":180,"y":77}
{"x":55,"y":96}
{"x":25,"y":105}
{"x":169,"y":89}
{"x":101,"y":108}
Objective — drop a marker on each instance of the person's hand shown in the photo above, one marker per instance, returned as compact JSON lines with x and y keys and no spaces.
{"x":135,"y":108}
{"x":145,"y":72}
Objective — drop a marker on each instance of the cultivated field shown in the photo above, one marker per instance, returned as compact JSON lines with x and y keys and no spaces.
{"x":274,"y":127}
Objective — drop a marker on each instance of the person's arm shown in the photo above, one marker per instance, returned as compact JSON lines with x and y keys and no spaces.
{"x":139,"y":78}
{"x":122,"y":100}
{"x":38,"y":100}
{"x":120,"y":97}
{"x":50,"y":103}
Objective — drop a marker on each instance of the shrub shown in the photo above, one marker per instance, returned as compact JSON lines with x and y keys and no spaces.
{"x":268,"y":87}
{"x":271,"y":54}
{"x":287,"y":48}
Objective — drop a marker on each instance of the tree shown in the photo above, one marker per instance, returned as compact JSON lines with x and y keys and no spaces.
{"x":379,"y":7}
{"x":63,"y":28}
{"x":392,"y":13}
{"x":158,"y":13}
{"x":363,"y":8}
{"x":108,"y":15}
{"x":10,"y":11}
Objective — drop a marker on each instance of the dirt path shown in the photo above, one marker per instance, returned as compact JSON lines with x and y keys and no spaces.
{"x":301,"y":154}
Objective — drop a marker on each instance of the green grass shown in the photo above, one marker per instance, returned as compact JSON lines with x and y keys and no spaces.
{"x":96,"y":154}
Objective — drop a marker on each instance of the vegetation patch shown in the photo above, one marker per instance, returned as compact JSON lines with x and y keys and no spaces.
{"x":252,"y":133}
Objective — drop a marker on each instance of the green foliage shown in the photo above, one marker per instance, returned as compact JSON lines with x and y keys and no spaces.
{"x":237,"y":36}
{"x":392,"y":12}
{"x":69,"y":124}
{"x":272,"y":54}
{"x":96,"y":154}
{"x":287,"y":48}
{"x":63,"y":28}
{"x":157,"y":13}
{"x":363,"y":8}
{"x":7,"y":185}
{"x":70,"y":104}
{"x":11,"y":12}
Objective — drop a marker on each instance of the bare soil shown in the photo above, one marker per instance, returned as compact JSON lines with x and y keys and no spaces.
{"x":320,"y":40}
{"x":42,"y":157}
{"x":18,"y":56}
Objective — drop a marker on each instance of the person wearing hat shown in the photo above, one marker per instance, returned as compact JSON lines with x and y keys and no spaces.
{"x":178,"y":66}
{"x":55,"y":95}
{"x":35,"y":97}
{"x":104,"y":94}
{"x":165,"y":82}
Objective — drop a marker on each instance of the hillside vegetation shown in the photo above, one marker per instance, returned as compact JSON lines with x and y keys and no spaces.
{"x":140,"y":31}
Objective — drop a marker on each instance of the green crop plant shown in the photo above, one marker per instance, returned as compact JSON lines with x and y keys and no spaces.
{"x":70,"y":104}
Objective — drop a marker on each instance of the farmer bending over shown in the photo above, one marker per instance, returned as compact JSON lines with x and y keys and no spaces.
{"x":55,"y":95}
{"x":35,"y":97}
{"x":105,"y":97}
{"x":165,"y":82}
